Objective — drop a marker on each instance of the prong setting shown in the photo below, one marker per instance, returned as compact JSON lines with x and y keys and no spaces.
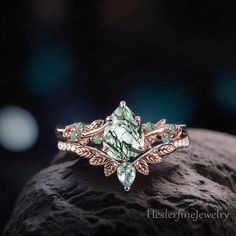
{"x":108,"y":118}
{"x":141,"y":149}
{"x":138,"y":119}
{"x":122,"y":104}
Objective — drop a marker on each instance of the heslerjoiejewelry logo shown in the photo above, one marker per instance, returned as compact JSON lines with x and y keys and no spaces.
{"x":194,"y":215}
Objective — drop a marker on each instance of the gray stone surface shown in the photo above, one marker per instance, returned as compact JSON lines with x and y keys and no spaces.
{"x":72,"y":198}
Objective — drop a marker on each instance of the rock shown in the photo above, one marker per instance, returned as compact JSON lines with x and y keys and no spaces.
{"x":73,"y":198}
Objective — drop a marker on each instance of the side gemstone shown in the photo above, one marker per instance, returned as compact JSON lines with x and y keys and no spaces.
{"x":126,"y":174}
{"x":123,"y":135}
{"x":73,"y":136}
{"x":165,"y":138}
{"x":149,"y":126}
{"x":79,"y":126}
{"x":97,"y":140}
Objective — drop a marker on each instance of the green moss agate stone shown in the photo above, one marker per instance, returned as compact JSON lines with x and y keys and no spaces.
{"x":123,"y":136}
{"x":126,"y":174}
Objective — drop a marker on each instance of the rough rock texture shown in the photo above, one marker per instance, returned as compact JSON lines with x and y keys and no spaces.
{"x":72,"y":198}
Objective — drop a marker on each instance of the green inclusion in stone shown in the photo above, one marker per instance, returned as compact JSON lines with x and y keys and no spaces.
{"x":79,"y":126}
{"x":165,"y":138}
{"x":126,"y":174}
{"x":123,"y":136}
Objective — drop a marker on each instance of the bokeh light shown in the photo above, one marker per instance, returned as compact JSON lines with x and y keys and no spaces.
{"x":161,"y":99}
{"x":18,"y":129}
{"x":50,"y":67}
{"x":225,"y":90}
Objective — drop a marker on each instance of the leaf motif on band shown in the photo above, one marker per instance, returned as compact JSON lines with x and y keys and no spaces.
{"x":141,"y":166}
{"x":165,"y":149}
{"x":95,"y":124}
{"x":154,"y":155}
{"x":153,"y":158}
{"x":110,"y":167}
{"x":86,"y":151}
{"x":160,"y":123}
{"x":97,"y":161}
{"x":67,"y":131}
{"x":98,"y":158}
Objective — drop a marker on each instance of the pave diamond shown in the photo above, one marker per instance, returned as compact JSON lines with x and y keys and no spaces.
{"x":123,"y":135}
{"x":182,"y":143}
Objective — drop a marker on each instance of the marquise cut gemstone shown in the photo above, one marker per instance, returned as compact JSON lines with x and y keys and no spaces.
{"x":73,"y":136}
{"x":79,"y":126}
{"x":97,"y":140}
{"x":172,"y":128}
{"x":123,"y":135}
{"x":166,"y":138}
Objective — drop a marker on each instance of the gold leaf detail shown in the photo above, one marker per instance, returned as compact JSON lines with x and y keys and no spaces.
{"x":95,"y":124}
{"x":165,"y":149}
{"x":161,"y":122}
{"x":67,"y":131}
{"x":110,"y":167}
{"x":141,"y":166}
{"x":153,"y":158}
{"x":97,"y":161}
{"x":86,"y":152}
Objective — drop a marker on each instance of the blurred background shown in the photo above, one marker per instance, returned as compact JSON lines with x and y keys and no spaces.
{"x":64,"y":61}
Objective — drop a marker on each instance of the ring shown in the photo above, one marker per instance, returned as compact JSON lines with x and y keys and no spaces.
{"x":121,"y":143}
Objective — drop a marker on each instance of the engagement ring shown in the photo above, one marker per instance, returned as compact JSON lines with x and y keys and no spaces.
{"x":122,"y":144}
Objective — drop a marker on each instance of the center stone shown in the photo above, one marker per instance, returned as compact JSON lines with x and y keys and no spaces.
{"x":123,"y":136}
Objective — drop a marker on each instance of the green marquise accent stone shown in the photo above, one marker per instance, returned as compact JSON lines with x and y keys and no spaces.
{"x":79,"y":126}
{"x":97,"y":140}
{"x":149,"y":126}
{"x":126,"y":174}
{"x":165,"y":138}
{"x":172,"y":128}
{"x":123,"y":136}
{"x":73,"y":136}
